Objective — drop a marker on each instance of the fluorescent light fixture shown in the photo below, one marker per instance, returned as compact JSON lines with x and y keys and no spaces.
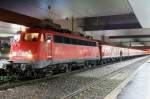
{"x":6,"y":34}
{"x":136,"y":45}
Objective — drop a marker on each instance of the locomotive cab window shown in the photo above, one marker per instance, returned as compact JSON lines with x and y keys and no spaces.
{"x":31,"y":37}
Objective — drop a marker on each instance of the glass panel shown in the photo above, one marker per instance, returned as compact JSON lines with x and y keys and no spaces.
{"x":31,"y":36}
{"x":58,"y":39}
{"x":74,"y":42}
{"x":67,"y":40}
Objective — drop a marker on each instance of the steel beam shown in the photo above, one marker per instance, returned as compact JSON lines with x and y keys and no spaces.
{"x":141,"y":47}
{"x":124,"y":21}
{"x":129,"y":36}
{"x":16,"y":18}
{"x":5,"y":38}
{"x":130,"y":41}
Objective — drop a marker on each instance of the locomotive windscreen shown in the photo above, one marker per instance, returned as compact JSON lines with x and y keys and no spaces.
{"x":31,"y":37}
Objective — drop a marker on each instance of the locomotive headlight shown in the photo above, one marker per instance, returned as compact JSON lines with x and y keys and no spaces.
{"x":12,"y":54}
{"x":27,"y":54}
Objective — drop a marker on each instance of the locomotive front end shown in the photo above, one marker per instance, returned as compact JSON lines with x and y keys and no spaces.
{"x":26,"y":52}
{"x":24,"y":47}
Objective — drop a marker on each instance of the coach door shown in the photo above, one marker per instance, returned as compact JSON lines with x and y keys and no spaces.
{"x":49,"y":45}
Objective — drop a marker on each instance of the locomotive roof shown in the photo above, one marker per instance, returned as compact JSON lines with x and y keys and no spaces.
{"x":59,"y":32}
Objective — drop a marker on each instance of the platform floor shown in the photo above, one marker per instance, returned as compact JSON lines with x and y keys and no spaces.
{"x":139,"y":87}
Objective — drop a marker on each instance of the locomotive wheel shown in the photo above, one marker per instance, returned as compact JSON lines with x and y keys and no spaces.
{"x":20,"y":75}
{"x":23,"y":75}
{"x":2,"y":72}
{"x":85,"y":66}
{"x":95,"y":64}
{"x":89,"y":66}
{"x":39,"y":74}
{"x":49,"y":72}
{"x":67,"y":68}
{"x":28,"y":74}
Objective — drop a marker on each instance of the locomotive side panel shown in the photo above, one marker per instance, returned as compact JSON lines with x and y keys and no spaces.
{"x":73,"y":50}
{"x":66,"y":51}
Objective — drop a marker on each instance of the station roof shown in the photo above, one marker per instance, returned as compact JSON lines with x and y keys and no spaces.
{"x":67,"y":8}
{"x":89,"y":10}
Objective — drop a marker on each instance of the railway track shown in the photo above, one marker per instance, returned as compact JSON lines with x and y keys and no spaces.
{"x":104,"y":78}
{"x":4,"y":85}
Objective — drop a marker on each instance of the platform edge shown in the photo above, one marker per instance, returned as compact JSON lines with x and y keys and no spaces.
{"x":115,"y":92}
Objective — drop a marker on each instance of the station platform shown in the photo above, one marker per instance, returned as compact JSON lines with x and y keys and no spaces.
{"x":139,"y":86}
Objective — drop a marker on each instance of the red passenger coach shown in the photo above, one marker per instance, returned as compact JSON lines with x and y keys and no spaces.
{"x":115,"y":53}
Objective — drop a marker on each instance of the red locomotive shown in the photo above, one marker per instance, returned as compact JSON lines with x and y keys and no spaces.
{"x":43,"y":51}
{"x":40,"y":51}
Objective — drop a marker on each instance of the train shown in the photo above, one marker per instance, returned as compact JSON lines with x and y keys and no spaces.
{"x":36,"y":52}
